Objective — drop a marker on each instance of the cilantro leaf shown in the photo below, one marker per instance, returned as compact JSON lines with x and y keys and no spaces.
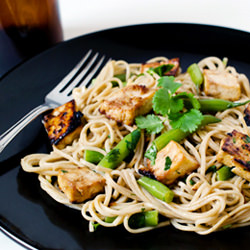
{"x":188,"y":121}
{"x":152,"y":123}
{"x":168,"y":82}
{"x":151,"y":154}
{"x":161,"y":102}
{"x":176,"y":105}
{"x":168,"y":163}
{"x":164,"y":104}
{"x":162,"y":69}
{"x":189,"y":99}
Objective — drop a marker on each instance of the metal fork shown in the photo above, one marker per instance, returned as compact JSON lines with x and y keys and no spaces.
{"x":62,"y":93}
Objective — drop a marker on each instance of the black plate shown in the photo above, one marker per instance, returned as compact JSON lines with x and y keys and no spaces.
{"x":26,"y":211}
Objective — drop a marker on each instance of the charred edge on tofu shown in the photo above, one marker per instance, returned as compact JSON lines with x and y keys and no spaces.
{"x":231,"y":149}
{"x":246,"y":164}
{"x":74,"y":123}
{"x":147,"y":172}
{"x":71,"y":124}
{"x":227,"y":146}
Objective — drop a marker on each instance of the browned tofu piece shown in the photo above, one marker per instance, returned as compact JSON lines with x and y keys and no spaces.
{"x":235,"y":152}
{"x":172,"y":72}
{"x":247,"y":115}
{"x":181,"y":163}
{"x":127,"y":103}
{"x":63,"y":124}
{"x":222,"y":85}
{"x":80,"y":184}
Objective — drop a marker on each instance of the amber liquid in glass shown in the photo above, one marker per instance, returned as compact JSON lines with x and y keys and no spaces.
{"x":27,"y":27}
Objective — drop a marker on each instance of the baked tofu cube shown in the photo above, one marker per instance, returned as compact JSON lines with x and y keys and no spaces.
{"x":127,"y":103}
{"x":172,"y":162}
{"x":222,"y":85}
{"x":235,"y":152}
{"x":173,"y":72}
{"x":63,"y":124}
{"x":80,"y":184}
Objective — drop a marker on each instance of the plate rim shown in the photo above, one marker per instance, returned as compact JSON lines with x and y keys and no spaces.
{"x":12,"y":235}
{"x":118,"y":28}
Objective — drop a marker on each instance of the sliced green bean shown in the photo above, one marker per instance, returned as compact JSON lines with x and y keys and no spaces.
{"x":224,"y":173}
{"x":144,"y":219}
{"x":122,"y":77}
{"x":110,"y":219}
{"x":215,"y":105}
{"x":208,"y":119}
{"x":157,"y":189}
{"x":93,"y":156}
{"x":137,"y":220}
{"x":174,"y":134}
{"x":177,"y":134}
{"x":121,"y":150}
{"x":195,"y":74}
{"x":151,"y":218}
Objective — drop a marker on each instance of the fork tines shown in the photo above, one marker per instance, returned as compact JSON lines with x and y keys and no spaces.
{"x":82,"y":73}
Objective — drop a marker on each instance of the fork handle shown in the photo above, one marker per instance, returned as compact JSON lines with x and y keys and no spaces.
{"x":8,"y":135}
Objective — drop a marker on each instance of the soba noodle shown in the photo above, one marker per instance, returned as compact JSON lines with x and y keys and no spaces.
{"x":204,"y":206}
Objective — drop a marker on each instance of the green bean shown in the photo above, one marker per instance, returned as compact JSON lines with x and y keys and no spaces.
{"x":144,"y":219}
{"x":195,"y":74}
{"x":151,"y":218}
{"x":122,"y":77}
{"x":137,"y":220}
{"x":215,"y":105}
{"x":208,"y":119}
{"x":224,"y":173}
{"x":93,"y":156}
{"x":174,"y":134}
{"x":157,"y":189}
{"x":126,"y":146}
{"x":110,"y":219}
{"x":177,"y":134}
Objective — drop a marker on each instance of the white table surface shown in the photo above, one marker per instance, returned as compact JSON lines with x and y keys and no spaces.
{"x":84,"y":16}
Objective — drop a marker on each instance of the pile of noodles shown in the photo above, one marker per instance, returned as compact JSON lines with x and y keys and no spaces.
{"x":206,"y":206}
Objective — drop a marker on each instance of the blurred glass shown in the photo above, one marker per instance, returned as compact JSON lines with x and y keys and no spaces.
{"x":27,"y":27}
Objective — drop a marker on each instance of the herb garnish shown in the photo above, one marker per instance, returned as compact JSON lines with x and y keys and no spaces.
{"x":152,"y":123}
{"x":151,"y":154}
{"x":166,"y":103}
{"x":168,"y":163}
{"x":162,"y":69}
{"x":212,"y":169}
